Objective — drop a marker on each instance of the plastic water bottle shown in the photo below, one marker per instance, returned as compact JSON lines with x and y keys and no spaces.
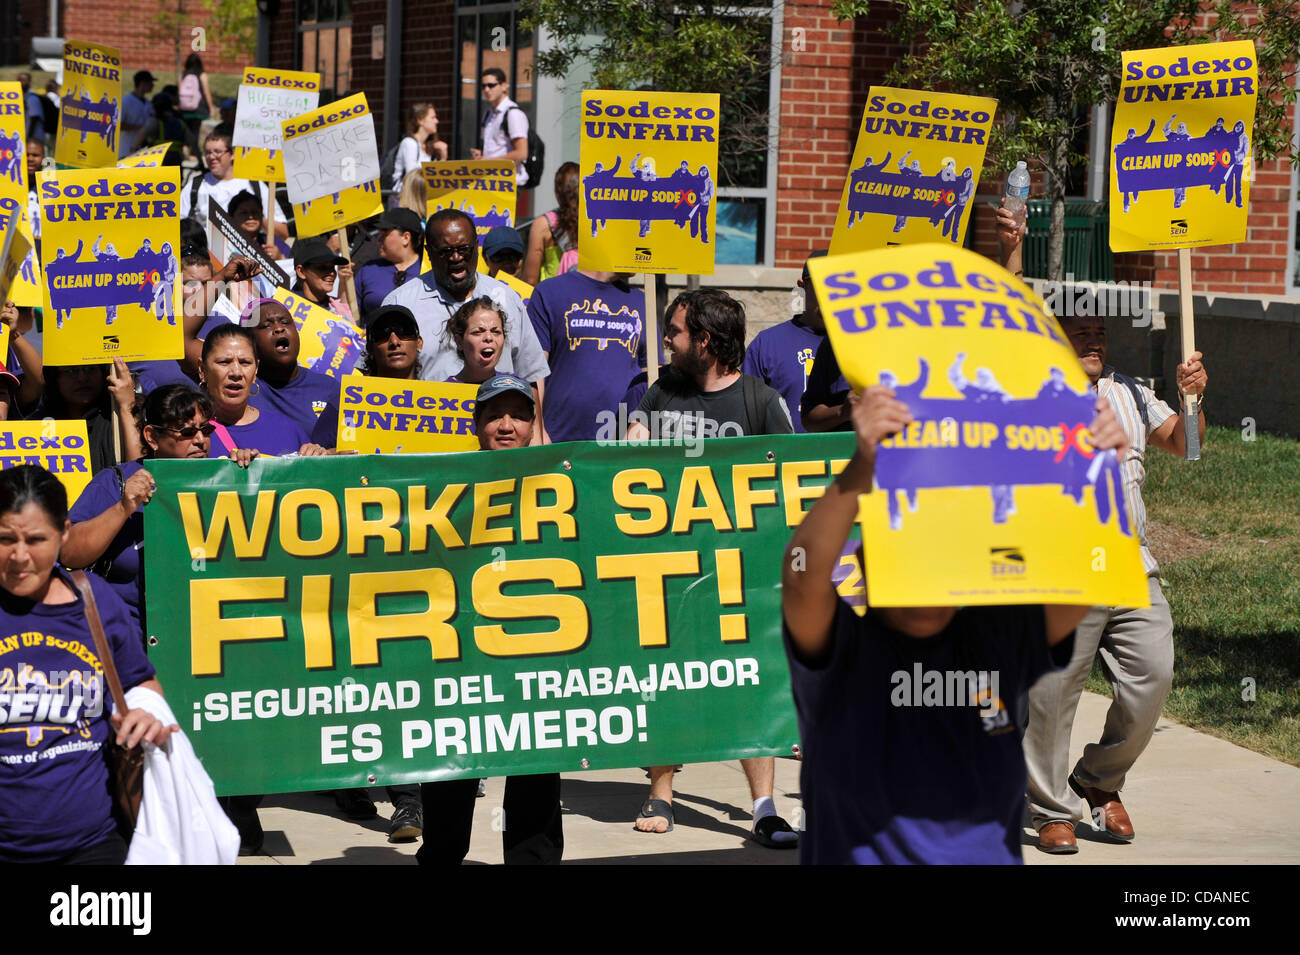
{"x":1017,"y":192}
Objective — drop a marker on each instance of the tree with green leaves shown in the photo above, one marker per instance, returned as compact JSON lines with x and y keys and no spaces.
{"x":1047,"y":62}
{"x":231,"y":24}
{"x":672,"y":46}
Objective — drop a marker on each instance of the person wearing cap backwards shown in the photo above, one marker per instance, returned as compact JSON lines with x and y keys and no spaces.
{"x":393,"y":346}
{"x":503,"y":251}
{"x":137,"y":114}
{"x":452,"y":241}
{"x":401,"y":241}
{"x":534,"y":830}
{"x":316,"y":266}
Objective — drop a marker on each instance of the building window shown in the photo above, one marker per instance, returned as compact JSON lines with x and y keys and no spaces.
{"x":325,"y":43}
{"x":746,"y":226}
{"x":487,"y":35}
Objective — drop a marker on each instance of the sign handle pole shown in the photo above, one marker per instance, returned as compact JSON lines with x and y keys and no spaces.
{"x":1187,"y":323}
{"x":270,"y":212}
{"x":651,"y":331}
{"x":349,"y":290}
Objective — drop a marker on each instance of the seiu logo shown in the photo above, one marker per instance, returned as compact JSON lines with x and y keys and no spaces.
{"x":642,"y":255}
{"x":111,"y":343}
{"x":1006,"y":560}
{"x":1178,"y":227}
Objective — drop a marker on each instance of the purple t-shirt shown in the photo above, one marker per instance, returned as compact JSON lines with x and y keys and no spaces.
{"x":893,"y":773}
{"x":271,"y":433}
{"x":301,"y":400}
{"x":782,"y":356}
{"x":595,"y":334}
{"x":55,"y":707}
{"x":124,"y":572}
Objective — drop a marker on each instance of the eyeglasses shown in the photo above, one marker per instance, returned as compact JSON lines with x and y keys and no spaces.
{"x":378,"y":337}
{"x":489,"y":86}
{"x":214,"y":153}
{"x":188,"y":433}
{"x":464,"y":251}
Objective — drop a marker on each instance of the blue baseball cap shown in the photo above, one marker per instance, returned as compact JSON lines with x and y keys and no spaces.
{"x":499,"y":386}
{"x":501,"y":238}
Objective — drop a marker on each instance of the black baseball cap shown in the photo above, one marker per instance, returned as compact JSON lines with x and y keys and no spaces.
{"x":315,"y":251}
{"x":389,"y":319}
{"x":404,"y":220}
{"x":143,"y":76}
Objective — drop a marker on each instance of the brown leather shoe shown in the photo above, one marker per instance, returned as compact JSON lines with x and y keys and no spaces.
{"x":1058,"y":839}
{"x":1107,"y":810}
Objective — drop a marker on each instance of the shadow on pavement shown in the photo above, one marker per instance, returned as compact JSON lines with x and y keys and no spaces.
{"x":618,"y":802}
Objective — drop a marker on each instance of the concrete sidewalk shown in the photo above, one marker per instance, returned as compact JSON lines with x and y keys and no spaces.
{"x":1194,"y":799}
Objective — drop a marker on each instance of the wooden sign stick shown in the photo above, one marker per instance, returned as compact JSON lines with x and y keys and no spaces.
{"x":651,"y":331}
{"x":270,"y":213}
{"x":349,"y":290}
{"x":1187,"y":323}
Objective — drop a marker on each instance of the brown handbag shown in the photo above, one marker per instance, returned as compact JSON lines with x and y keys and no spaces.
{"x":125,"y":766}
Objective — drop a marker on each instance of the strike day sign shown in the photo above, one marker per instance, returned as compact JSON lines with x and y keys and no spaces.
{"x":331,"y":165}
{"x":484,"y":189}
{"x":914,"y":170}
{"x":1189,"y":184}
{"x":994,"y":494}
{"x":61,"y":447}
{"x":90,"y":109}
{"x":328,"y":343}
{"x":600,"y":607}
{"x":648,"y":187}
{"x":110,"y":239}
{"x":25,"y":287}
{"x":387,"y":416}
{"x":266,"y":99}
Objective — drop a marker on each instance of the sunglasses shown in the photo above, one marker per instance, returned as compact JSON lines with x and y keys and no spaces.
{"x":489,"y":86}
{"x":190,"y":432}
{"x":464,"y":251}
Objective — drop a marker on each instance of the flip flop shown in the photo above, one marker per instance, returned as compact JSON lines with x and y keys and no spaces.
{"x":656,"y":807}
{"x":764,"y":829}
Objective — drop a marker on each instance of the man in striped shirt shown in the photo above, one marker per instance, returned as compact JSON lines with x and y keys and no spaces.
{"x":1138,"y":643}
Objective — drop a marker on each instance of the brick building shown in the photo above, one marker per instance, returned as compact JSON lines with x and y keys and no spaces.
{"x":437,"y":49}
{"x":128,"y":26}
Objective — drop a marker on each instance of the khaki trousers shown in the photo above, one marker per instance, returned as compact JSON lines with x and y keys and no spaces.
{"x":1138,"y":648}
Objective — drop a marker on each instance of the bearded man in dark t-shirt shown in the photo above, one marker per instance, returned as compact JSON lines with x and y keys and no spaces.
{"x":703,"y":394}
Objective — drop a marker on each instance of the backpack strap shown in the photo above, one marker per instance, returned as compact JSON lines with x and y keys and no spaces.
{"x":196,"y":183}
{"x":1135,"y":390}
{"x":755,"y":409}
{"x":224,"y":436}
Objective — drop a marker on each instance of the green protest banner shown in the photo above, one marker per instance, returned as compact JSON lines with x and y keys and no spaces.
{"x":343,"y":621}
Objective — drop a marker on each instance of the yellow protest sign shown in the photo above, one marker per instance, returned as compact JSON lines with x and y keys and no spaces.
{"x":331,"y":165}
{"x":12,"y":256}
{"x":994,"y":495}
{"x":266,"y":99}
{"x":649,"y":168}
{"x":149,"y":156}
{"x":484,"y":189}
{"x":1187,"y":184}
{"x":111,"y":239}
{"x":328,"y":343}
{"x":519,"y":285}
{"x":25,"y":288}
{"x":90,"y":109}
{"x":914,"y":170}
{"x":389,"y":416}
{"x":61,"y":447}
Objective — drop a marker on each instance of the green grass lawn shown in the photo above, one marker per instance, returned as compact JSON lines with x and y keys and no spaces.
{"x":1236,"y":605}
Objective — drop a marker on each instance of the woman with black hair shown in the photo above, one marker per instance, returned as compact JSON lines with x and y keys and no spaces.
{"x":94,"y":392}
{"x":194,"y":98}
{"x":56,"y":803}
{"x":107,"y":533}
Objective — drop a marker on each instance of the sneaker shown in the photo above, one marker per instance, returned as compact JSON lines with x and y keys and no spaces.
{"x":407,"y":824}
{"x":482,"y":789}
{"x":355,"y":804}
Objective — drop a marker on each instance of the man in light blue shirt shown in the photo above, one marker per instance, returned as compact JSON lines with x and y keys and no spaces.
{"x":452,"y":242}
{"x":137,"y":114}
